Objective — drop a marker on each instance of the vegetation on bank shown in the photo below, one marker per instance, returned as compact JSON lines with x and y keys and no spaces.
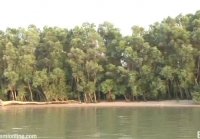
{"x":90,"y":63}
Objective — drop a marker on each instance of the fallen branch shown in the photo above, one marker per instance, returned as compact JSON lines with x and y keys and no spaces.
{"x":4,"y":103}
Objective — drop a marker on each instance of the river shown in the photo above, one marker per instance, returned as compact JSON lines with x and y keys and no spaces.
{"x":101,"y":122}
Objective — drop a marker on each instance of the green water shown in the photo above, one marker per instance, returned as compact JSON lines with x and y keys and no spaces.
{"x":101,"y":123}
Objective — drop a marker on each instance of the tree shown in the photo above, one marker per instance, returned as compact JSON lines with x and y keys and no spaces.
{"x":85,"y":56}
{"x":89,"y":62}
{"x":11,"y":71}
{"x":41,"y":80}
{"x":108,"y":87}
{"x":29,"y":42}
{"x":111,"y":37}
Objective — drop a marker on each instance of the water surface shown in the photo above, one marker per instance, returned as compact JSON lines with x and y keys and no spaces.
{"x":101,"y":122}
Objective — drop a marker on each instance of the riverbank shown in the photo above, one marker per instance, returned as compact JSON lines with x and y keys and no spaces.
{"x":164,"y":103}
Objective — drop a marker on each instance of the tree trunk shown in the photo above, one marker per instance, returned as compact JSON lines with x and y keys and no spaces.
{"x":132,"y":97}
{"x":79,"y":99}
{"x":190,"y":95}
{"x":12,"y":93}
{"x":144,"y":97}
{"x":85,"y":97}
{"x":180,"y":90}
{"x":136,"y":97}
{"x":168,"y":90}
{"x":173,"y":89}
{"x":78,"y":93}
{"x":95,"y":97}
{"x":15,"y":94}
{"x":90,"y":97}
{"x":181,"y":93}
{"x":31,"y":93}
{"x":126,"y":99}
{"x":198,"y":70}
{"x":109,"y":96}
{"x":99,"y":96}
{"x":187,"y":94}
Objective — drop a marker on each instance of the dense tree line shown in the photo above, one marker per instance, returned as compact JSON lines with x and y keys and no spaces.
{"x":90,"y":63}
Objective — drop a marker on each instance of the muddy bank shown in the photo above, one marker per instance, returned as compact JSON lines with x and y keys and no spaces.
{"x":72,"y":103}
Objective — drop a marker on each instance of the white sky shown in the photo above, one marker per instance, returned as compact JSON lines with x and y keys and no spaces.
{"x":68,"y":13}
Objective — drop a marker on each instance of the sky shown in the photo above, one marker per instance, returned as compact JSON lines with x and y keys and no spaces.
{"x":69,"y":13}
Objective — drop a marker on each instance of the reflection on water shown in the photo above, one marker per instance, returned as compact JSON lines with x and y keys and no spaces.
{"x":101,"y":123}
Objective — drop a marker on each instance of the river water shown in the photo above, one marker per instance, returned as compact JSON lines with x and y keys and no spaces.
{"x":101,"y":122}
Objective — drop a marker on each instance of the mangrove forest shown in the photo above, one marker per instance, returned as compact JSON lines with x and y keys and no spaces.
{"x":90,"y":63}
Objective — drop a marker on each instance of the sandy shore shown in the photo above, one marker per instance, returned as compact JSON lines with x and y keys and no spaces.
{"x":170,"y":103}
{"x":166,"y":103}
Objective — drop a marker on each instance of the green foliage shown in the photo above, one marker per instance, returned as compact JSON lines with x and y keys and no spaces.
{"x":90,"y":63}
{"x":196,"y":97}
{"x":109,"y":87}
{"x":196,"y":94}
